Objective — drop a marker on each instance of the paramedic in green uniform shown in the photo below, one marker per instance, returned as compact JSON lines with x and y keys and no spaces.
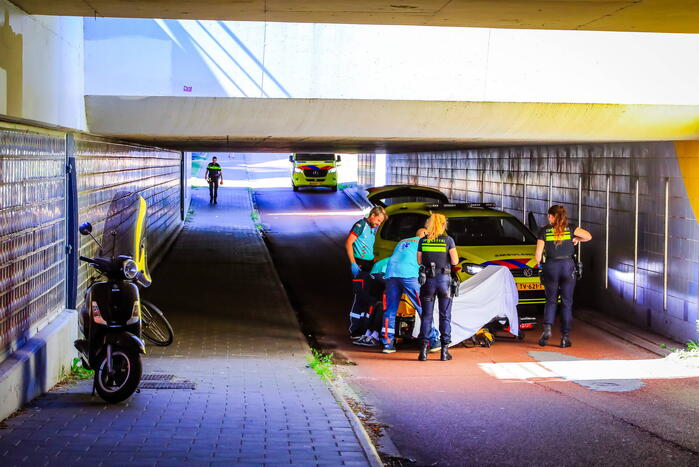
{"x":360,"y":241}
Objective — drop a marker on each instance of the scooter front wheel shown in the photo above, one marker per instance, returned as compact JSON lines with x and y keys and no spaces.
{"x":123,"y":379}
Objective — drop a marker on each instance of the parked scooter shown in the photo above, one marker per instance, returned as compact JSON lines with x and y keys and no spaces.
{"x":111,"y":314}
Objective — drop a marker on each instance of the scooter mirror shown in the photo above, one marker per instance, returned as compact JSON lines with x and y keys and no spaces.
{"x":85,"y":228}
{"x":339,"y":158}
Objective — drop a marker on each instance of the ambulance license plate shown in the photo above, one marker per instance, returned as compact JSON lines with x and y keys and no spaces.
{"x":530,"y":286}
{"x":315,"y":183}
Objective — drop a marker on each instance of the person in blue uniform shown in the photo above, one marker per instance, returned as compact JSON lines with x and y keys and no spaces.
{"x":555,"y":247}
{"x":402,"y":274}
{"x":214,"y":177}
{"x":437,"y":253}
{"x":359,"y":244}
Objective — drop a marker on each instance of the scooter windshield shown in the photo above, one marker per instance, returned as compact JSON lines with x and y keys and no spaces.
{"x":125,"y":232}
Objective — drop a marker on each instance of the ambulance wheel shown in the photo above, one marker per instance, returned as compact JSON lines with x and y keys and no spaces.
{"x":333,"y":189}
{"x":520,"y":336}
{"x":295,"y":187}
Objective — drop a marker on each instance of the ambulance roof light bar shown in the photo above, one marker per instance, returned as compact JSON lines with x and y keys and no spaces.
{"x":460,"y":205}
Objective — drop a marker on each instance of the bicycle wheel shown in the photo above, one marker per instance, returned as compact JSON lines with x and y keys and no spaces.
{"x":154,"y":326}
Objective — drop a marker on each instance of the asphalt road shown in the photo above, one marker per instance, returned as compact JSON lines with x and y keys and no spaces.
{"x":485,"y":407}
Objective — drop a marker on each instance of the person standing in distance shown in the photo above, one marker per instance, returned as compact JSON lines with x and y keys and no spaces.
{"x":556,"y":243}
{"x":437,"y":253}
{"x":359,"y":244}
{"x":214,"y":176}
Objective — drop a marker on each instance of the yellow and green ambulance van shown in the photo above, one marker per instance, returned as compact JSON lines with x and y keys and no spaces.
{"x":314,"y":170}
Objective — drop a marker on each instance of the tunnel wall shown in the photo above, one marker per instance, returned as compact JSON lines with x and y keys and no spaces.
{"x":620,"y":185}
{"x":106,"y":169}
{"x":42,"y":67}
{"x":209,"y":58}
{"x":36,"y":215}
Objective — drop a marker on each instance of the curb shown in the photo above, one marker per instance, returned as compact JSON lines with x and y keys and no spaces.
{"x":368,"y":447}
{"x":370,"y":451}
{"x":641,"y":339}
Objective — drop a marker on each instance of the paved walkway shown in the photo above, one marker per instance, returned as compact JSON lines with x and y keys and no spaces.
{"x":237,"y":339}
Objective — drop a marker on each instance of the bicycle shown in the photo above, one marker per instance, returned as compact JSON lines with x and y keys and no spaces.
{"x":155,"y":327}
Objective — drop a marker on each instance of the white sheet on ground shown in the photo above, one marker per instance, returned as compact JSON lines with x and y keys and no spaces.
{"x":490,"y":293}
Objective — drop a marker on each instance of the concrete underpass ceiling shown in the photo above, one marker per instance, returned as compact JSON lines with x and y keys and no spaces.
{"x":676,"y":16}
{"x":337,"y":125}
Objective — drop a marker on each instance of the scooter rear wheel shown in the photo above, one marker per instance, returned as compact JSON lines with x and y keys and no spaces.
{"x":154,"y":327}
{"x":121,"y":383}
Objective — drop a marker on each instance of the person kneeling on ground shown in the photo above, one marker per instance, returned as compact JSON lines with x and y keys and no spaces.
{"x":402,"y":274}
{"x":372,"y":316}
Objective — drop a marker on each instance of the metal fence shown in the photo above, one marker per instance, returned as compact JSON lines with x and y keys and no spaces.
{"x":39,"y":213}
{"x":32,"y":231}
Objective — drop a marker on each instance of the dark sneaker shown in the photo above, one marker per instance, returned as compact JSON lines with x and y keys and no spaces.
{"x":389,"y":348}
{"x":366,"y":341}
{"x":435,"y":346}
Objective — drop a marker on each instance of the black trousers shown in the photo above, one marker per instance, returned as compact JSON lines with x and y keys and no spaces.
{"x":213,"y":189}
{"x":559,"y":280}
{"x":437,"y":287}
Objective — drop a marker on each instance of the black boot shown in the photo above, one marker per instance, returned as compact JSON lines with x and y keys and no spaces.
{"x":423,"y":351}
{"x":545,"y":336}
{"x":565,"y":341}
{"x":445,"y":355}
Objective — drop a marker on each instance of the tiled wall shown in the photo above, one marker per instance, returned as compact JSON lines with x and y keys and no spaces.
{"x":625,"y":271}
{"x":109,"y":169}
{"x":32,"y":231}
{"x":34,"y":216}
{"x":366,"y":164}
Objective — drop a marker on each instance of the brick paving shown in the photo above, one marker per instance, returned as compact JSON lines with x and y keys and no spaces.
{"x":236,"y":337}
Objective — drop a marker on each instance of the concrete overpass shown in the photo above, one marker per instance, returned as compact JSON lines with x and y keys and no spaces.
{"x":679,"y":16}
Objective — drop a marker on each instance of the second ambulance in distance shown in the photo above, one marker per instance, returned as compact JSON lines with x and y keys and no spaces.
{"x":314,"y":170}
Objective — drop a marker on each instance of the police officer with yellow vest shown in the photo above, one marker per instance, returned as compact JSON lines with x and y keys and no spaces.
{"x":214,"y":176}
{"x":437,"y":253}
{"x":556,"y":243}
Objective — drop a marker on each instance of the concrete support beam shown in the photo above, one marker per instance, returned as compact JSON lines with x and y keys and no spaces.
{"x":239,"y":124}
{"x":614,"y":15}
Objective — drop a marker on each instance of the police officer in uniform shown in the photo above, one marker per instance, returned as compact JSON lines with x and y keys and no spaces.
{"x":437,"y":253}
{"x":359,"y":244}
{"x":556,"y":242}
{"x":214,"y":176}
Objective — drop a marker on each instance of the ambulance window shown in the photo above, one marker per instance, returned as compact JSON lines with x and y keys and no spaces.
{"x":401,"y":226}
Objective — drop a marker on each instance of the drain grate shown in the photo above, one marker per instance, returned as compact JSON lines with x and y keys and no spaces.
{"x":167,"y":385}
{"x":157,"y":377}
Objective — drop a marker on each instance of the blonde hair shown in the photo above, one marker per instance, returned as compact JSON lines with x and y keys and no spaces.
{"x":436,"y":225}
